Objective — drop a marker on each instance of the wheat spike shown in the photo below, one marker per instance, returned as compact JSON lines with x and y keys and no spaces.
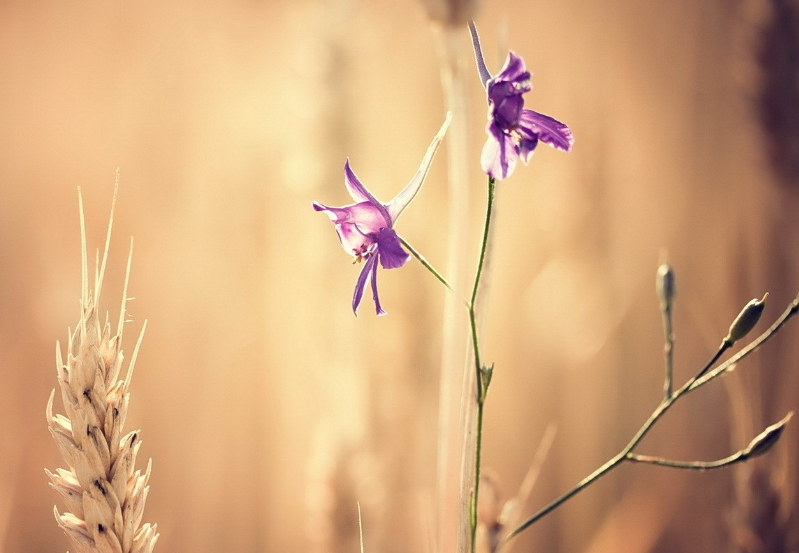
{"x":102,"y":491}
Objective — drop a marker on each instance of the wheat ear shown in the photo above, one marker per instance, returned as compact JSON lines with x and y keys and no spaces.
{"x":104,"y":495}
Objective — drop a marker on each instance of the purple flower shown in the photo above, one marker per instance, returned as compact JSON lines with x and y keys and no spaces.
{"x":513,"y":132}
{"x":366,"y":228}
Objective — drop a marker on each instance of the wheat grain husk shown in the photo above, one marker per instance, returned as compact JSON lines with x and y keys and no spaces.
{"x":103,"y":492}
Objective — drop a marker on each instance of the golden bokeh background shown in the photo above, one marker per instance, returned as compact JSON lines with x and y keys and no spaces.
{"x":267,"y":408}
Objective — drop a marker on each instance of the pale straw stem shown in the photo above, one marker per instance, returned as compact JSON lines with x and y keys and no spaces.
{"x":453,"y":70}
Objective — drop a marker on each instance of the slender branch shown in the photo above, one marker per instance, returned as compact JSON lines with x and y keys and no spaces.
{"x":725,"y":345}
{"x":701,"y":378}
{"x":689,"y":465}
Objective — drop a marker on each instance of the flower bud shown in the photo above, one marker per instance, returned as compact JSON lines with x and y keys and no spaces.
{"x":664,"y":284}
{"x":746,"y":319}
{"x":766,"y":439}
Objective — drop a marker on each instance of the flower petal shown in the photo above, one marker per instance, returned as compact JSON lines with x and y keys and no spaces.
{"x":498,"y":158}
{"x":390,"y":249}
{"x":548,"y":130}
{"x":360,"y":284}
{"x":378,"y":308}
{"x":514,"y":71}
{"x":401,"y":201}
{"x":505,"y":105}
{"x":482,"y":70}
{"x":360,"y":193}
{"x":527,"y":143}
{"x":357,"y":225}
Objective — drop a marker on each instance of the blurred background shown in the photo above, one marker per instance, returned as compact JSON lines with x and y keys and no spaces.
{"x":267,"y":408}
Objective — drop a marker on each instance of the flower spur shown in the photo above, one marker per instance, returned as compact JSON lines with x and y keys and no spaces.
{"x":366,"y":228}
{"x":513,"y":132}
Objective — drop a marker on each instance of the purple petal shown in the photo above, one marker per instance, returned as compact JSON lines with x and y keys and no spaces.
{"x":514,"y":71}
{"x":378,"y":308}
{"x":359,"y":192}
{"x":360,"y":284}
{"x":401,"y":201}
{"x":390,"y":249}
{"x":526,"y":146}
{"x":505,"y":105}
{"x":364,"y":214}
{"x":527,"y":141}
{"x":356,"y":225}
{"x":482,"y":70}
{"x":498,"y":159}
{"x":549,"y":130}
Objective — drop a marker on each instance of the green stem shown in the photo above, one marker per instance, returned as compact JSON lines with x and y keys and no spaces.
{"x":424,"y":262}
{"x":481,"y":387}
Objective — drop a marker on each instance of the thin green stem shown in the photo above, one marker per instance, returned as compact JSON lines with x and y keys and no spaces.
{"x":477,"y":464}
{"x":426,"y":263}
{"x":484,"y":245}
{"x":482,"y":387}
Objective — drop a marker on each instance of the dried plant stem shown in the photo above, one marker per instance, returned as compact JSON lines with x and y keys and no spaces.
{"x":482,"y":375}
{"x":453,"y":68}
{"x":702,"y":378}
{"x":736,"y":457}
{"x":668,"y":350}
{"x":104,"y":493}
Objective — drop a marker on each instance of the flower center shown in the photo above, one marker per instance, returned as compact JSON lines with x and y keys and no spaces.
{"x":363,"y":252}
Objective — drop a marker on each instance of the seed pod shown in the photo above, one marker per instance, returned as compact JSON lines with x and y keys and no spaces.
{"x":766,"y":439}
{"x":746,"y":319}
{"x":664,"y":284}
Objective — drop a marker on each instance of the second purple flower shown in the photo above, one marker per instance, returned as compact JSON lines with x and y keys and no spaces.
{"x":513,"y":132}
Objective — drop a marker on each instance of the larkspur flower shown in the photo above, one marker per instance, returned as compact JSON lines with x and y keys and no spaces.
{"x":366,"y":228}
{"x":513,"y":132}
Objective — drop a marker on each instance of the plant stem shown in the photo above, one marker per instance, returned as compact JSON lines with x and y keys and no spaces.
{"x":426,"y":263}
{"x":451,"y":490}
{"x":481,"y":388}
{"x":668,"y":351}
{"x":624,"y":454}
{"x":690,"y":465}
{"x":789,"y":312}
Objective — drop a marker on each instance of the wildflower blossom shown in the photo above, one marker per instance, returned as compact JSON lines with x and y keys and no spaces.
{"x":366,"y":228}
{"x":513,"y":132}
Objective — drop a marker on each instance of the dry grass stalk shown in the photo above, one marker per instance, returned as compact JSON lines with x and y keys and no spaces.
{"x":451,"y":12}
{"x":103,"y":493}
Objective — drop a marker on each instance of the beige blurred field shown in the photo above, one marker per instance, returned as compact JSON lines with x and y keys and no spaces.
{"x":267,"y":408}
